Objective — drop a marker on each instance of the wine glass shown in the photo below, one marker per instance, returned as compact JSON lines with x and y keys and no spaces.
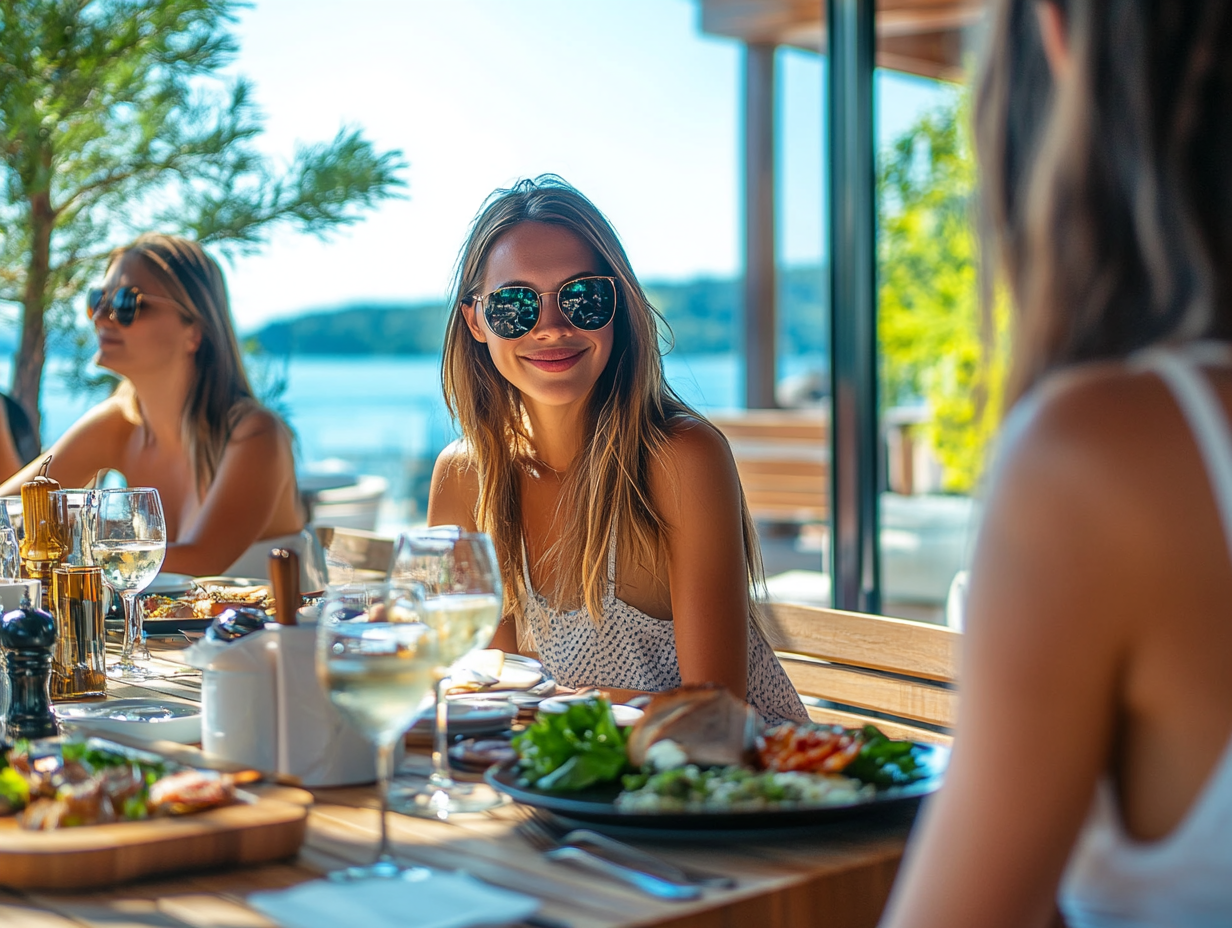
{"x":129,"y":543}
{"x":375,"y":660}
{"x":462,"y":600}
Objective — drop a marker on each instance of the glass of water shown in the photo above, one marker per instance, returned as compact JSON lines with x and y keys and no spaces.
{"x":129,"y":544}
{"x":376,"y":659}
{"x":10,"y":554}
{"x":463,"y":601}
{"x":75,"y":511}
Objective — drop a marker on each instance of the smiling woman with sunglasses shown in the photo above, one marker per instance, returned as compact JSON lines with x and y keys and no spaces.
{"x":626,"y":550}
{"x":183,"y":419}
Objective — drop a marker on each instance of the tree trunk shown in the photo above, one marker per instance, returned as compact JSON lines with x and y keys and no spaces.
{"x":32,"y":351}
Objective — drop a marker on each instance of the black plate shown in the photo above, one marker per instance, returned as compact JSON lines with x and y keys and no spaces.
{"x":597,"y":803}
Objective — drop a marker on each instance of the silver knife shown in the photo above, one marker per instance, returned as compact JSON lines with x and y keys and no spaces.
{"x":619,"y":852}
{"x":640,"y":879}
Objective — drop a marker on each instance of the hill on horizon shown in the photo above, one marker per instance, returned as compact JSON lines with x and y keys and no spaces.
{"x":704,"y":316}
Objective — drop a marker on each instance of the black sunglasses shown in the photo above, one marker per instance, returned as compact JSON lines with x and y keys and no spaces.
{"x":122,"y":304}
{"x":588,"y":303}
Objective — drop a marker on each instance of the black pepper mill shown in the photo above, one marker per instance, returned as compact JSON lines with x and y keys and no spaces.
{"x":28,"y":636}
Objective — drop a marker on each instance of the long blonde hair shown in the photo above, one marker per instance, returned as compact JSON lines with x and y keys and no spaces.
{"x":629,"y":418}
{"x":220,"y":395}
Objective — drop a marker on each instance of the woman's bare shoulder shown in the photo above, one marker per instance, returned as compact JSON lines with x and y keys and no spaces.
{"x":105,"y":426}
{"x":1090,"y":421}
{"x":256,"y":420}
{"x":694,"y":466}
{"x":695,"y":442}
{"x":93,"y":443}
{"x":455,"y":487}
{"x":1084,"y":491}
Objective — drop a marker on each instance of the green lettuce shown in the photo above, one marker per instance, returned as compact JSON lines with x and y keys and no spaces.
{"x":577,"y":748}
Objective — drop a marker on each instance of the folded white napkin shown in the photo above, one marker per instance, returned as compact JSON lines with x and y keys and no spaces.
{"x":423,"y":899}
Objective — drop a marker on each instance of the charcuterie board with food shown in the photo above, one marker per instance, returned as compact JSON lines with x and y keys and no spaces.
{"x":82,"y":813}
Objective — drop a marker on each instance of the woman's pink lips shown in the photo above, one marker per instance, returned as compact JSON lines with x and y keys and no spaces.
{"x":555,"y":361}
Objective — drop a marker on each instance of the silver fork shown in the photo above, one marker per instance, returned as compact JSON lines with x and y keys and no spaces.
{"x":612,"y":848}
{"x":541,"y":839}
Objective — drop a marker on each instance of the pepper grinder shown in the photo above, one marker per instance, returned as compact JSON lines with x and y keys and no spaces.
{"x":28,"y":636}
{"x":284,"y":578}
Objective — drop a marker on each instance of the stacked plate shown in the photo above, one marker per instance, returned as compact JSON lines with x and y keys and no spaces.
{"x":143,"y":719}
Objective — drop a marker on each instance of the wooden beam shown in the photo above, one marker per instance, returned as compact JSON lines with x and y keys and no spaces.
{"x":915,"y":649}
{"x":760,"y":290}
{"x":924,"y":37}
{"x":876,"y":692}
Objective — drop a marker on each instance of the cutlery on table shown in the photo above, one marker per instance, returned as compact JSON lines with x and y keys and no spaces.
{"x":620,"y":852}
{"x":541,"y":839}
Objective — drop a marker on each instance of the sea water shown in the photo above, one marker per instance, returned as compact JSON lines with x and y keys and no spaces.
{"x":387,"y":414}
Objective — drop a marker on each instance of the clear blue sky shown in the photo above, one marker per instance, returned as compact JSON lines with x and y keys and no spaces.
{"x":623,"y":98}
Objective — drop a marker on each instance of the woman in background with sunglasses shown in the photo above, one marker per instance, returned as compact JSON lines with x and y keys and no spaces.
{"x":626,"y":550}
{"x":183,"y":419}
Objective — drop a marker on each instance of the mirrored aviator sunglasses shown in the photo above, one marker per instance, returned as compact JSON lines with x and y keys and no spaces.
{"x":122,"y":304}
{"x":589,"y":303}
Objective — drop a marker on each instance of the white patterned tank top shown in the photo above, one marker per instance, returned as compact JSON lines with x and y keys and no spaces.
{"x":631,"y":650}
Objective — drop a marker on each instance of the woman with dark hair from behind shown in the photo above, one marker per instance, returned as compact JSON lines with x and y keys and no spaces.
{"x":1093,"y":759}
{"x":183,"y":419}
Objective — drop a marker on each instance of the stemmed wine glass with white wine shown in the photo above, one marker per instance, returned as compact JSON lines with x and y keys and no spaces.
{"x":463,"y":600}
{"x":129,"y":543}
{"x":376,"y":659}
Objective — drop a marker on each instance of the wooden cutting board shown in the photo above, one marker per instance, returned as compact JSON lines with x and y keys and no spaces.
{"x":269,"y":828}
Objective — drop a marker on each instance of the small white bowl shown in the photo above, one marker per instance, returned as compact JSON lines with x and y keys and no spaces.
{"x":624,"y":715}
{"x":169,"y":585}
{"x":147,"y":719}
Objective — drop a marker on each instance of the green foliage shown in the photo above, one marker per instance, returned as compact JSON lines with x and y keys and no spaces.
{"x":114,"y":121}
{"x":929,"y":314}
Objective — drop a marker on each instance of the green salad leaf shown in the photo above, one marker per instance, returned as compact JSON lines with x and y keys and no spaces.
{"x":884,"y":762}
{"x":14,"y":790}
{"x":577,"y":748}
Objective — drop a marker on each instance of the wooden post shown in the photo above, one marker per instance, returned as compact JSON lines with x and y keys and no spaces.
{"x":760,"y":292}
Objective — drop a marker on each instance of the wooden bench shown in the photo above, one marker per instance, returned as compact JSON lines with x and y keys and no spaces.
{"x":892,"y":673}
{"x":783,"y":457}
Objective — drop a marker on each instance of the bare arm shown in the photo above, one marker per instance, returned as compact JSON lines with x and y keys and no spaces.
{"x":10,"y":461}
{"x":455,"y":489}
{"x":91,"y":444}
{"x":697,"y":491}
{"x":1044,"y":650}
{"x":451,"y":501}
{"x":252,"y":479}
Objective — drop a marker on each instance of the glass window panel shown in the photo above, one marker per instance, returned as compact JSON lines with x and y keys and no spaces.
{"x":939,"y":387}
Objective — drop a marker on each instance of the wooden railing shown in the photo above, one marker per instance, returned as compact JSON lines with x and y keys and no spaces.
{"x":903,"y":673}
{"x":783,"y":457}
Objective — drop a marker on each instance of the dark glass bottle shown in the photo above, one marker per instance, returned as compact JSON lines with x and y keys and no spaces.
{"x":28,"y":636}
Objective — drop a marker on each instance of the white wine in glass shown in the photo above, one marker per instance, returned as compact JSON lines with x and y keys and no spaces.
{"x":463,"y":601}
{"x":376,"y":660}
{"x":129,"y":542}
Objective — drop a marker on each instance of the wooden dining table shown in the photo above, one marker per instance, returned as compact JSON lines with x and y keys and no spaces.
{"x":836,"y":875}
